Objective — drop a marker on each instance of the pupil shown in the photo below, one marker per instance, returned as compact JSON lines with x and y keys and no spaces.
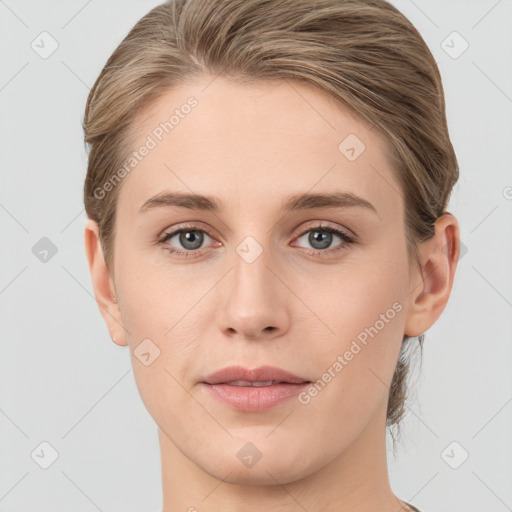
{"x":187,"y":239}
{"x":193,"y":239}
{"x":324,"y":238}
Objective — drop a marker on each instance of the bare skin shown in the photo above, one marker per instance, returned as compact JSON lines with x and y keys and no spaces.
{"x":251,"y":147}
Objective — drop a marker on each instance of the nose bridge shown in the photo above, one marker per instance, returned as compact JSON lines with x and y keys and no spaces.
{"x":252,"y":277}
{"x":253,"y":304}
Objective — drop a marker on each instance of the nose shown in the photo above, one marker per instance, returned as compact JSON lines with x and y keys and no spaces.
{"x":253,"y":301}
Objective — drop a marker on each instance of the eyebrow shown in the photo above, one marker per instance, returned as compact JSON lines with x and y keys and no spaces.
{"x":303,"y":201}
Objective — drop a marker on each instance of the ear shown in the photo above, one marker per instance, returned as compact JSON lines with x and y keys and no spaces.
{"x":430,"y":291}
{"x":102,"y":283}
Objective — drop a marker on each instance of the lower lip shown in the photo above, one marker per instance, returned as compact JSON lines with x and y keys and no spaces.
{"x":252,"y":398}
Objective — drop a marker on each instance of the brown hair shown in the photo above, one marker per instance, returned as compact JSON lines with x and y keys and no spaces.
{"x":363,"y":53}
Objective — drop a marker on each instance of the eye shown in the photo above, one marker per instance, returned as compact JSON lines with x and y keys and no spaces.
{"x":321,"y":238}
{"x":189,"y":238}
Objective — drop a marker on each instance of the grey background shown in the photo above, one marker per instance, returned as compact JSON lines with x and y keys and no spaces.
{"x":63,"y":381}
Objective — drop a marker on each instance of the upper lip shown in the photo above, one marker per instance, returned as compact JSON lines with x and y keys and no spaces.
{"x":261,"y":374}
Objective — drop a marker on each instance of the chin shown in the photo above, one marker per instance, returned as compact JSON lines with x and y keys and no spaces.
{"x":257,"y":463}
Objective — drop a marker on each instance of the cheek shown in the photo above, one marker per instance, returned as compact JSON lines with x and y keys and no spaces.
{"x":361,"y":309}
{"x":348,"y":300}
{"x":153,"y":296}
{"x":353,"y":311}
{"x":338,"y":316}
{"x":159,"y":310}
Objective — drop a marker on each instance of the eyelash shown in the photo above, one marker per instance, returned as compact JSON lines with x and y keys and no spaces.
{"x":348,"y":239}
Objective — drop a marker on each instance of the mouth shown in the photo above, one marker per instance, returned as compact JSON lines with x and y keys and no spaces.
{"x":248,"y":383}
{"x":253,"y":390}
{"x":262,"y":376}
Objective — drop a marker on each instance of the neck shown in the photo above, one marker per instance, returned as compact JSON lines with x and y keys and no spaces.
{"x":356,"y":481}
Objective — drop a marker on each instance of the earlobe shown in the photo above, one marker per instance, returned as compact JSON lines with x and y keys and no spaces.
{"x":432,"y":287}
{"x":103,"y":284}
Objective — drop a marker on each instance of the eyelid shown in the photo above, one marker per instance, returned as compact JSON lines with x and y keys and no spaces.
{"x":194,"y":225}
{"x":321,"y":225}
{"x":347,"y":236}
{"x":190,"y":225}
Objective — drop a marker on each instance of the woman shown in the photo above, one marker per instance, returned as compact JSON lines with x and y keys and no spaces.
{"x":266,"y":192}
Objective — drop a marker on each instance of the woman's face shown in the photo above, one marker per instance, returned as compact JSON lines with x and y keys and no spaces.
{"x":255,"y":283}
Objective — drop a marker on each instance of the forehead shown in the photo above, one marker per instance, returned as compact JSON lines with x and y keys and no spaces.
{"x":252,"y":143}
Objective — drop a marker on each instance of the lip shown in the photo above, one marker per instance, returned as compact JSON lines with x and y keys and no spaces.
{"x":261,"y":374}
{"x":252,"y":398}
